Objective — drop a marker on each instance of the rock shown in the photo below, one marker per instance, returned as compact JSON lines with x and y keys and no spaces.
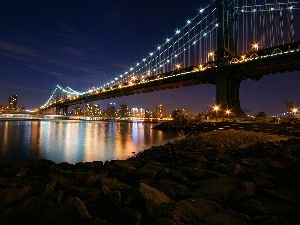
{"x":11,"y":194}
{"x":192,"y":211}
{"x":15,"y":170}
{"x":214,"y":178}
{"x":129,"y":216}
{"x":50,"y":184}
{"x":32,"y":209}
{"x":162,"y":221}
{"x":114,"y":184}
{"x":226,"y":218}
{"x":43,"y":166}
{"x":268,"y":220}
{"x":71,"y":211}
{"x":200,"y":211}
{"x":217,"y":190}
{"x":151,"y":195}
{"x":171,"y":188}
{"x":194,"y":174}
{"x":147,"y":172}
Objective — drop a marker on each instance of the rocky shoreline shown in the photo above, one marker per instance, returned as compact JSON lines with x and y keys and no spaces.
{"x":216,"y":178}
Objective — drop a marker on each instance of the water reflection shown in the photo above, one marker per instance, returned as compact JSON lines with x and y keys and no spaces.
{"x":76,"y":141}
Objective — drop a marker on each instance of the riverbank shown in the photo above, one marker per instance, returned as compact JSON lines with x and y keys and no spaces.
{"x":218,"y":177}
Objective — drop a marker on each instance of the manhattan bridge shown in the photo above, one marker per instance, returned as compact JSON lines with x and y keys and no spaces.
{"x":227,"y":42}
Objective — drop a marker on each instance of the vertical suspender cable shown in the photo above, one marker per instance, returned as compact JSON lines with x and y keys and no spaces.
{"x":291,"y":24}
{"x":281,"y":27}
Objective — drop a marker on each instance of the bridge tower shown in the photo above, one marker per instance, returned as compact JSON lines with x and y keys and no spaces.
{"x":60,"y":96}
{"x":227,"y":84}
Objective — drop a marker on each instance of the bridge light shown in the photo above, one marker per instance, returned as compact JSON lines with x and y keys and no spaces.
{"x":151,"y":53}
{"x":177,"y":66}
{"x":137,"y":64}
{"x":217,"y":24}
{"x":144,"y":59}
{"x":167,"y":40}
{"x":177,"y":31}
{"x":201,"y":10}
{"x":255,"y":47}
{"x":158,"y":47}
{"x":188,"y":21}
{"x":272,"y":9}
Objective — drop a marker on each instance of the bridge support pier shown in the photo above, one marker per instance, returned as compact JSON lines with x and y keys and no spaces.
{"x":227,"y":94}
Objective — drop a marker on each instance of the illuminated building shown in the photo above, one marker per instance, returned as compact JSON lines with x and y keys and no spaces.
{"x":111,"y":110}
{"x":124,"y":111}
{"x":135,"y":112}
{"x":92,"y":110}
{"x":13,"y":102}
{"x":148,"y":114}
{"x":160,"y":111}
{"x":77,"y":111}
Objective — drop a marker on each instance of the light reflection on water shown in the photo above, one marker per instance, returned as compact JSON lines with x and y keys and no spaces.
{"x":76,"y":141}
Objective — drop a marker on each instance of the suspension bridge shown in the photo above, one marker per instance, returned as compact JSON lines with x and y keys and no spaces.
{"x":225,"y":43}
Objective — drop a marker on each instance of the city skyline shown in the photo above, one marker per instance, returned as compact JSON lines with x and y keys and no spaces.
{"x":85,"y":45}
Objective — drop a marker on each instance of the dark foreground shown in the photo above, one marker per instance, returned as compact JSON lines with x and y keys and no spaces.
{"x":216,"y":178}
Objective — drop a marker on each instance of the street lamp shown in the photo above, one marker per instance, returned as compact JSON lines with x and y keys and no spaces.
{"x":295,"y":110}
{"x":216,"y":108}
{"x":211,"y":55}
{"x":227,"y":113}
{"x":178,"y":66}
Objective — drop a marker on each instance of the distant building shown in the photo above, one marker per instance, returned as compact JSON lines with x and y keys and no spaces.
{"x":124,"y":111}
{"x":77,"y":111}
{"x":23,"y":110}
{"x":160,"y":111}
{"x":13,"y":102}
{"x":111,"y":110}
{"x":149,"y":114}
{"x":138,"y":112}
{"x":92,"y":110}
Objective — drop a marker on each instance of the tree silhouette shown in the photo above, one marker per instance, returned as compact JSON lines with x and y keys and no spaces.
{"x":290,"y":105}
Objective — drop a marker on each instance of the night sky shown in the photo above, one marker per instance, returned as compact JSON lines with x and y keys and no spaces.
{"x":85,"y":43}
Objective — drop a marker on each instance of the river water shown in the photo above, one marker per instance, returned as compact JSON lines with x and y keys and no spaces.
{"x":75,"y":141}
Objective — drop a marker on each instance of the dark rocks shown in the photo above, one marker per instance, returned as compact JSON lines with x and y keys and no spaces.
{"x":206,"y":179}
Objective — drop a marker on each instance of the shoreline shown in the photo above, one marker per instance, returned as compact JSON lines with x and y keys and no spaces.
{"x":218,"y":177}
